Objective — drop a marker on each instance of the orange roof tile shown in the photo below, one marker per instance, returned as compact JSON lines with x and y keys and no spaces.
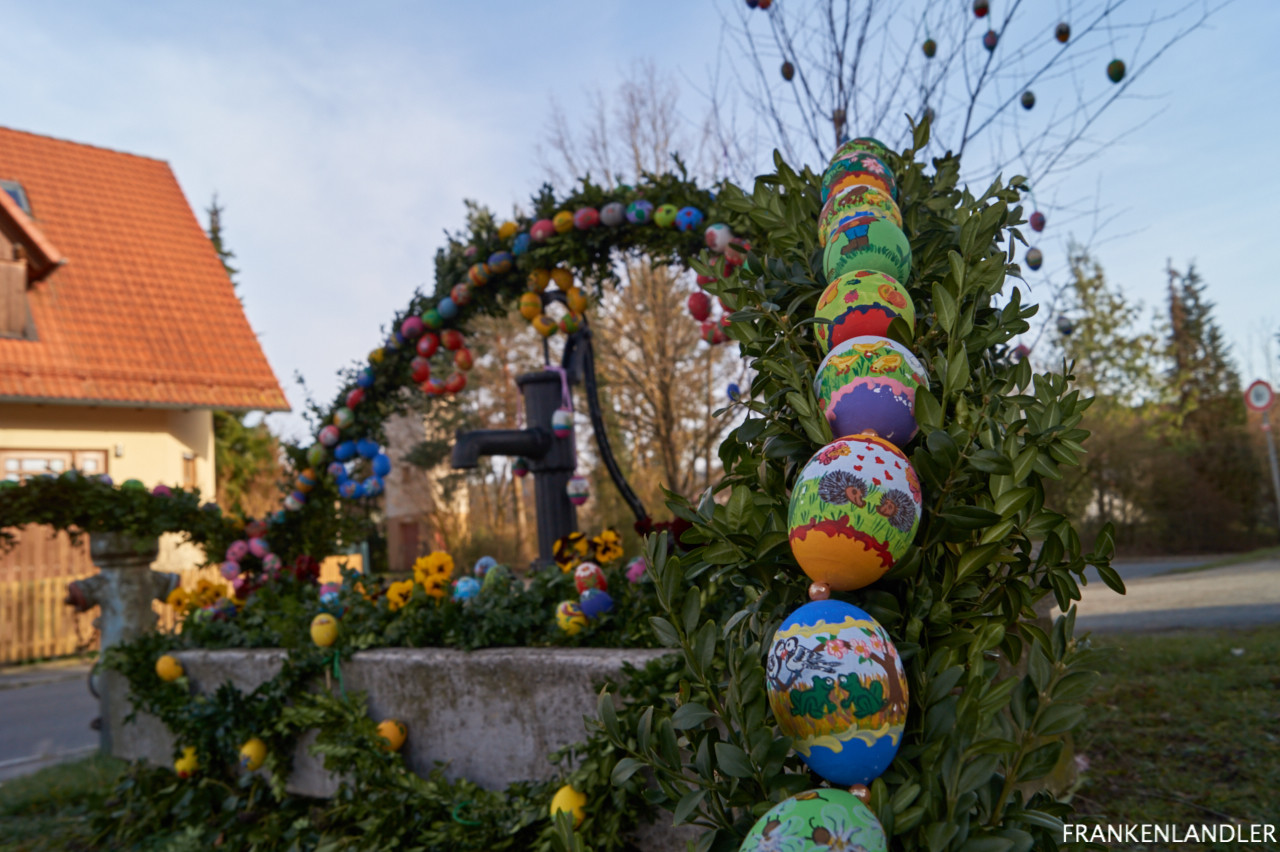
{"x":141,"y":312}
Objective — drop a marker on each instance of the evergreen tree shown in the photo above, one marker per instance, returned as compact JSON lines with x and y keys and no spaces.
{"x":215,"y":236}
{"x":1203,"y":381}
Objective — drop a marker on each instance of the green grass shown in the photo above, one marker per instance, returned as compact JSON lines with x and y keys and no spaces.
{"x":51,"y":809}
{"x":1184,"y":730}
{"x":1234,"y":559}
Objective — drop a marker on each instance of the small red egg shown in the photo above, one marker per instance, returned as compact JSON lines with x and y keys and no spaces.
{"x":428,"y":344}
{"x":420,"y":369}
{"x":455,"y":382}
{"x":451,"y":339}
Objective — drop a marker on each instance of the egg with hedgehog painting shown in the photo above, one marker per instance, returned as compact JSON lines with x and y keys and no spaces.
{"x":837,"y":687}
{"x":861,"y":303}
{"x":854,"y":511}
{"x":817,"y":821}
{"x":867,"y":385}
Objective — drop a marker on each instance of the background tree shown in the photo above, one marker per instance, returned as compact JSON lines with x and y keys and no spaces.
{"x":246,"y":456}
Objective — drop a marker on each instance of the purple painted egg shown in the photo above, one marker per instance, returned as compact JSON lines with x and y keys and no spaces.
{"x":639,"y":212}
{"x":867,"y":386}
{"x":500,"y":262}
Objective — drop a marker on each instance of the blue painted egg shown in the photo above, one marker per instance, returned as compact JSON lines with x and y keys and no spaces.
{"x":371,"y":487}
{"x":688,"y":218}
{"x":367,"y":448}
{"x":337,"y":470}
{"x":595,"y":603}
{"x":345,"y":451}
{"x":639,"y":212}
{"x":500,"y":262}
{"x":349,"y":489}
{"x":365,"y":379}
{"x":381,"y":464}
{"x":521,"y":245}
{"x":837,"y":687}
{"x":820,"y":820}
{"x":613,"y":214}
{"x":465,"y":588}
{"x":483,"y":564}
{"x":447,"y":308}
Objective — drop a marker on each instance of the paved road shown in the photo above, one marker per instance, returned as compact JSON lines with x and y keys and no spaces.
{"x":44,"y":717}
{"x":1244,"y":595}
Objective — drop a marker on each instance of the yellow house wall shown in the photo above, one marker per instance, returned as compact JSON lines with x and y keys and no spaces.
{"x":151,"y":443}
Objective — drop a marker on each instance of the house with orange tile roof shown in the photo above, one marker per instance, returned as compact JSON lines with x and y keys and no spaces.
{"x":120,"y":331}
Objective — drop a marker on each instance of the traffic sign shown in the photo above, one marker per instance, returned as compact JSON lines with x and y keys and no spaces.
{"x":1259,"y":396}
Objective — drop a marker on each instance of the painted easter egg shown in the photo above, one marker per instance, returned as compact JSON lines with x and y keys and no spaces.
{"x":863,"y":143}
{"x":578,"y":490}
{"x":595,"y":602}
{"x":639,"y":212}
{"x":699,"y":306}
{"x":500,"y":262}
{"x":562,"y":422}
{"x":169,"y":669}
{"x":861,"y":169}
{"x":570,"y":324}
{"x":419,"y":370}
{"x":381,"y":464}
{"x":788,"y":70}
{"x":613,"y":214}
{"x":718,"y":237}
{"x":447,"y":308}
{"x":376,"y":355}
{"x":461,"y":294}
{"x":507,"y":230}
{"x":542,"y":230}
{"x":1037,"y":221}
{"x":1062,"y":32}
{"x":188,"y":764}
{"x":563,"y":222}
{"x":930,"y":48}
{"x":412,"y":328}
{"x":343,"y":417}
{"x":589,"y":575}
{"x":252,"y":754}
{"x":520,"y":467}
{"x":563,"y":278}
{"x":456,"y":382}
{"x":544,"y":325}
{"x":294,"y":501}
{"x":365,"y":378}
{"x":878,"y":245}
{"x":856,"y":202}
{"x":432,"y":319}
{"x":817,"y":821}
{"x":570,"y":800}
{"x":316,"y":455}
{"x":688,"y":218}
{"x":354,"y":397}
{"x":465,"y":588}
{"x":576,"y":299}
{"x":1035,"y":258}
{"x":479,"y":274}
{"x":428,"y":344}
{"x":306,"y":480}
{"x":521,"y":244}
{"x":665,"y":215}
{"x":1028,"y":99}
{"x":980,"y":8}
{"x":530,"y":305}
{"x":569,"y":617}
{"x":324,"y":630}
{"x":867,"y":385}
{"x":462,"y":359}
{"x":990,"y":39}
{"x":854,"y":511}
{"x":585,"y":218}
{"x":1115,"y":70}
{"x":451,"y":339}
{"x":538,"y":280}
{"x":859,"y":304}
{"x":393,"y":732}
{"x":837,"y":687}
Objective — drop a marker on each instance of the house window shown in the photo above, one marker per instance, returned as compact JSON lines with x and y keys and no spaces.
{"x":17,"y":193}
{"x":188,"y":470}
{"x":19,"y":465}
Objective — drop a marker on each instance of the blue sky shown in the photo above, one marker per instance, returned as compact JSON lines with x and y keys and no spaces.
{"x":343,"y":138}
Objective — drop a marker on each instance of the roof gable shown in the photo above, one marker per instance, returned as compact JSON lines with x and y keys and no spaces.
{"x":141,"y":311}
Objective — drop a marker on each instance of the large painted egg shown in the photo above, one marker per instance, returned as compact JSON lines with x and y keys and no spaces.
{"x":639,"y":212}
{"x":465,"y":588}
{"x":500,"y":262}
{"x":852,"y":201}
{"x":562,"y":222}
{"x":688,"y":218}
{"x":595,"y":603}
{"x":854,"y":511}
{"x":817,"y":821}
{"x":878,"y":245}
{"x":569,"y":617}
{"x":665,"y":215}
{"x":859,"y":304}
{"x":589,"y":575}
{"x":859,"y":168}
{"x":867,"y":385}
{"x":479,"y":274}
{"x":570,"y":324}
{"x":431,"y":319}
{"x":613,"y":214}
{"x":863,"y":143}
{"x":521,"y":244}
{"x":837,"y":688}
{"x":542,"y":230}
{"x":585,"y":218}
{"x":718,"y":237}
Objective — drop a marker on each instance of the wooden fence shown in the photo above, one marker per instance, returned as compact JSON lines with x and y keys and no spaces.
{"x":34,"y":622}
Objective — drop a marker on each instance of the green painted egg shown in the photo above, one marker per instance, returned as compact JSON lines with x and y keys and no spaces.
{"x":861,"y":303}
{"x":665,"y":216}
{"x":854,"y":512}
{"x":863,"y":143}
{"x":877,"y":244}
{"x":820,"y":820}
{"x":844,"y":205}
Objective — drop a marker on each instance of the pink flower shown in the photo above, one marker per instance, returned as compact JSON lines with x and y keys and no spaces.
{"x":873,"y":166}
{"x":635,"y":570}
{"x":836,"y":648}
{"x":162,"y":491}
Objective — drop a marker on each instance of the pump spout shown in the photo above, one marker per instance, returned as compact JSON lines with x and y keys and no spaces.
{"x":468,"y":447}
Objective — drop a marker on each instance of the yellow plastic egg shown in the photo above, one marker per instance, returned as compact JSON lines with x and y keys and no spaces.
{"x":563,"y":222}
{"x":569,"y":799}
{"x":539,"y":279}
{"x":252,"y":754}
{"x":186,"y":765}
{"x":530,"y":306}
{"x":545,"y":325}
{"x":168,"y":668}
{"x":576,"y":299}
{"x":563,"y":278}
{"x":507,"y":230}
{"x":393,"y":732}
{"x":324,"y":630}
